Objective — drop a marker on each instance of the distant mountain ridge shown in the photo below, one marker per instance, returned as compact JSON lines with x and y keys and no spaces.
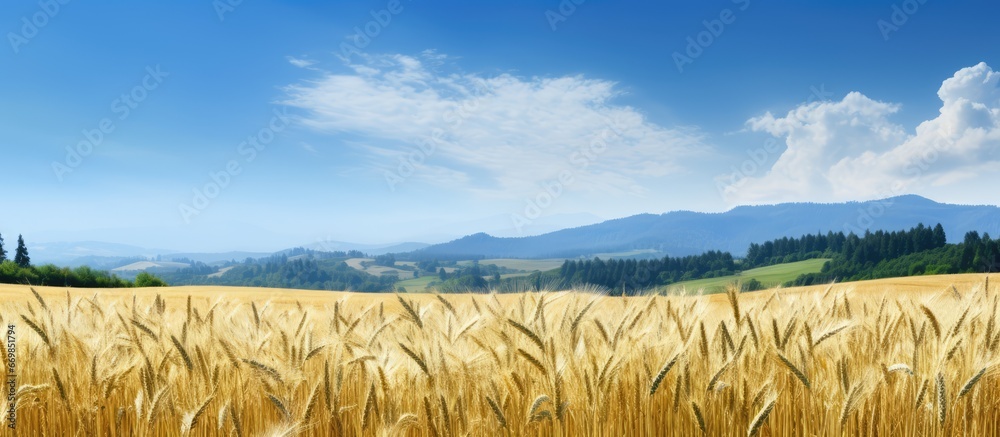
{"x":683,"y":233}
{"x":121,"y":257}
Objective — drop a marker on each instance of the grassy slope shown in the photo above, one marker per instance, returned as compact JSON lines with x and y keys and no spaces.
{"x":416,"y":285}
{"x":770,"y":276}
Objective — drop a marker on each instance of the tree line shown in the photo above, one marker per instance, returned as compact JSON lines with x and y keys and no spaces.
{"x":872,"y":246}
{"x":917,"y":251}
{"x":278,"y":271}
{"x":875,"y":258}
{"x":630,"y":274}
{"x":20,"y":271}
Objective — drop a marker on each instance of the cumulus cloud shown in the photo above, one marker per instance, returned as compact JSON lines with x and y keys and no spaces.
{"x":851,"y":150}
{"x":500,"y":135}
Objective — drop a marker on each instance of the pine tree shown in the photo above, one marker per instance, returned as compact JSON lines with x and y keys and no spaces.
{"x":3,"y":253}
{"x":21,"y":254}
{"x":939,"y":238}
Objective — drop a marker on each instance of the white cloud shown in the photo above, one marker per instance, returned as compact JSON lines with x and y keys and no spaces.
{"x":500,"y":136}
{"x":850,"y":150}
{"x":301,"y":63}
{"x":309,"y":148}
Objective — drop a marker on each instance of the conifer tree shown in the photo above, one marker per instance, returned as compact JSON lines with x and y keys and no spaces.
{"x":21,"y":254}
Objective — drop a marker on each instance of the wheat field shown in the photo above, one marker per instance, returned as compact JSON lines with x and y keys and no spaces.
{"x":912,"y":356}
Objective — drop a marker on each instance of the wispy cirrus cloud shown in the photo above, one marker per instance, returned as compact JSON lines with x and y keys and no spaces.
{"x":498,"y":135}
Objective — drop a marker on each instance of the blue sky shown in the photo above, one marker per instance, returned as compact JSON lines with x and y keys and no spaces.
{"x":446,"y":118}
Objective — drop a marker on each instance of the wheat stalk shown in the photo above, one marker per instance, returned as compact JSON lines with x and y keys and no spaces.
{"x":430,"y":417}
{"x":184,"y":355}
{"x":698,"y":416}
{"x":828,"y":334}
{"x":311,"y":405}
{"x":942,"y":400}
{"x":145,"y":329}
{"x":497,"y":412}
{"x":900,"y":367}
{"x":759,"y":419}
{"x":933,"y":319}
{"x":718,"y":374}
{"x":923,"y":392}
{"x":265,"y":369}
{"x":849,"y":404}
{"x":528,"y":332}
{"x":280,"y":406}
{"x":958,"y":324}
{"x":42,"y":301}
{"x":663,"y":373}
{"x":38,"y":330}
{"x":795,"y":370}
{"x":59,"y":385}
{"x":154,"y":406}
{"x":445,"y":417}
{"x":416,"y":358}
{"x":412,"y":312}
{"x":237,"y":423}
{"x":972,"y":382}
{"x":446,"y":304}
{"x":369,"y":404}
{"x":703,"y":344}
{"x":732,"y":293}
{"x":190,"y":420}
{"x":579,"y":317}
{"x":532,"y":360}
{"x":535,"y":406}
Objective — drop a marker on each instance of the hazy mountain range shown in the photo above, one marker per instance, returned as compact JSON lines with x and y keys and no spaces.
{"x":675,"y":233}
{"x":687,"y":233}
{"x":110,"y":256}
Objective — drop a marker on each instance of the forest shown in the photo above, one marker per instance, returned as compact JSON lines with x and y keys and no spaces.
{"x":308,"y":271}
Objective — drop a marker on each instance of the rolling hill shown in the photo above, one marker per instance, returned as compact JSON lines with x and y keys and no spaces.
{"x":683,"y":233}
